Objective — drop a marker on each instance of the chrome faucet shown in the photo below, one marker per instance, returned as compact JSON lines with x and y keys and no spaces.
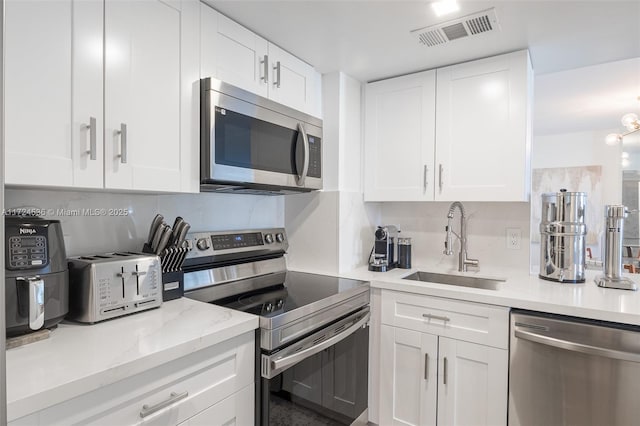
{"x":463,"y":261}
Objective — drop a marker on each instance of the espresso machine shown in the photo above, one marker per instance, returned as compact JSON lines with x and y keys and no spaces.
{"x":382,"y":256}
{"x":612,"y":277}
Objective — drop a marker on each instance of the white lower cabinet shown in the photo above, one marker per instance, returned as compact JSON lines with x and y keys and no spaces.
{"x":434,"y":378}
{"x":211,"y":386}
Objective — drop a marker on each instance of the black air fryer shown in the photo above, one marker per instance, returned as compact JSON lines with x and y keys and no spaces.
{"x":36,"y":274}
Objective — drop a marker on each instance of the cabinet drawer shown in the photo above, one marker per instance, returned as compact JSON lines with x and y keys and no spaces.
{"x":172,"y":392}
{"x":468,"y":321}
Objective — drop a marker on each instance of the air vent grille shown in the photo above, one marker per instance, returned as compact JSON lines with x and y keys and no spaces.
{"x":466,"y":26}
{"x":479,"y":25}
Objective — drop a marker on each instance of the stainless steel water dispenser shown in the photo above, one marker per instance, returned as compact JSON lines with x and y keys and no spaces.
{"x":562,"y":237}
{"x":612,"y":278}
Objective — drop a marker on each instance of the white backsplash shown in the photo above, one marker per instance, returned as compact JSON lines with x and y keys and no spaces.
{"x":86,"y":234}
{"x":486,"y":232}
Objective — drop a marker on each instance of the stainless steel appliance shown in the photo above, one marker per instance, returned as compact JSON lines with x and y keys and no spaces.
{"x":562,"y":237}
{"x":253,"y":144}
{"x":568,"y":371}
{"x":36,"y":275}
{"x":612,"y":278}
{"x":312,"y":344}
{"x":105,"y":286}
{"x":382,"y":257}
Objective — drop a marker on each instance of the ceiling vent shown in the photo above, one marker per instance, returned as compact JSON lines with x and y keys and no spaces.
{"x":476,"y":23}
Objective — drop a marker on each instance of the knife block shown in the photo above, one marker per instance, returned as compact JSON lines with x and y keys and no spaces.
{"x":171,"y":260}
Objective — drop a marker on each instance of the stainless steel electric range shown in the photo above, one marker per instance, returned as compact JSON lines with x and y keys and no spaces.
{"x":312,"y":344}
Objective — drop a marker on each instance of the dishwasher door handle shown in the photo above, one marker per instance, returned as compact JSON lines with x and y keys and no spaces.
{"x":577,"y":347}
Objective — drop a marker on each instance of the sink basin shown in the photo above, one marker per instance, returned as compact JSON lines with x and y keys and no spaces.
{"x":460,"y":280}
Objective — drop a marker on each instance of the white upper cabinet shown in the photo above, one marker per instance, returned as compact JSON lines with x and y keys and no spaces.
{"x":399,"y":138}
{"x":232,"y":53}
{"x":293,"y":81}
{"x":466,"y":137}
{"x":38,"y":93}
{"x":483,"y":131}
{"x":78,"y":115}
{"x":142,"y":96}
{"x":236,"y":55}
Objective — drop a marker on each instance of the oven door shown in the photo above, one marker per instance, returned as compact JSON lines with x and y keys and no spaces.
{"x":246,"y":142}
{"x":320,"y":380}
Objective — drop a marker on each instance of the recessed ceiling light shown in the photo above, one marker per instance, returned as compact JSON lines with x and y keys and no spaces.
{"x":444,"y":7}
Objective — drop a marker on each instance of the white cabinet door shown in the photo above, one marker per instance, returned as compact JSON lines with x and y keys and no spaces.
{"x":38,"y":91}
{"x":408,"y":377}
{"x":293,"y":82}
{"x":483,"y":129}
{"x":399,"y":138}
{"x":87,"y":101}
{"x":232,"y":53}
{"x":142,"y":95}
{"x":237,"y":409}
{"x":472,"y":389}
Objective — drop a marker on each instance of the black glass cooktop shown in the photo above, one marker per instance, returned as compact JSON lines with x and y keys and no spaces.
{"x":297,"y":291}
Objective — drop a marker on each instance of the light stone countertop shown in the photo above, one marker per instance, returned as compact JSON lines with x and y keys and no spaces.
{"x":520,"y":290}
{"x":80,"y":358}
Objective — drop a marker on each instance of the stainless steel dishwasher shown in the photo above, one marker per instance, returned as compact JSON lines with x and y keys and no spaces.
{"x":569,"y":371}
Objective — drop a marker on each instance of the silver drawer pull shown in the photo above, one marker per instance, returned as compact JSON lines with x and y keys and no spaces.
{"x":174,"y":397}
{"x":436,"y":317}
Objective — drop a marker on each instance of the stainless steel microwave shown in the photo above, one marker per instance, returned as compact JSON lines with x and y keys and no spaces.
{"x":251,"y":144}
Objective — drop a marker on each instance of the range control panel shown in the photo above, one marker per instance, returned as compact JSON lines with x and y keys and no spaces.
{"x":226,"y":242}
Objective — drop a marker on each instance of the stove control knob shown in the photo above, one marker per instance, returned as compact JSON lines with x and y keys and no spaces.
{"x":279,"y":237}
{"x":202,"y":244}
{"x":280,"y":303}
{"x":268,"y":238}
{"x":269,"y":307}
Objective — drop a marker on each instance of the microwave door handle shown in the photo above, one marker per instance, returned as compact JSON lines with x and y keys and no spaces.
{"x":305,"y":167}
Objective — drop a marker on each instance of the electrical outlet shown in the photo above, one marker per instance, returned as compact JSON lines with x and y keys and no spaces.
{"x":513,"y":237}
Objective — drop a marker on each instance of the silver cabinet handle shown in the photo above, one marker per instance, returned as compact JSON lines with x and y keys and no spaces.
{"x":445,"y":372}
{"x":426,"y":366}
{"x":36,"y":302}
{"x":305,"y":167}
{"x":174,"y":397}
{"x":440,"y":172}
{"x":424,"y":178}
{"x":123,"y":142}
{"x":265,"y":67}
{"x":276,"y":68}
{"x":92,"y":138}
{"x":577,"y":347}
{"x":437,"y":317}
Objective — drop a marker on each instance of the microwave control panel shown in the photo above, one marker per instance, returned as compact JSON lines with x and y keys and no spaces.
{"x":315,"y":157}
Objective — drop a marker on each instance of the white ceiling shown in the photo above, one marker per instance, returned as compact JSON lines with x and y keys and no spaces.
{"x":371,"y":40}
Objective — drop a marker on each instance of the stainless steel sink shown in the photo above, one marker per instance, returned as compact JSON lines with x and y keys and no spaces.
{"x":460,"y":280}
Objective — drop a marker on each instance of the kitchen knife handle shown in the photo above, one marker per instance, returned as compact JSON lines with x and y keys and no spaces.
{"x":265,"y":67}
{"x":155,"y":224}
{"x":123,"y":142}
{"x":92,"y":138}
{"x":440,"y":173}
{"x":276,"y":68}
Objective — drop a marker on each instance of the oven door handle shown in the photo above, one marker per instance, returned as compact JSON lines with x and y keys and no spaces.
{"x":283,"y":363}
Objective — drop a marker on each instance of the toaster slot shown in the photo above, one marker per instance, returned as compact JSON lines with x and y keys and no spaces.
{"x":112,"y":310}
{"x":145,"y":302}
